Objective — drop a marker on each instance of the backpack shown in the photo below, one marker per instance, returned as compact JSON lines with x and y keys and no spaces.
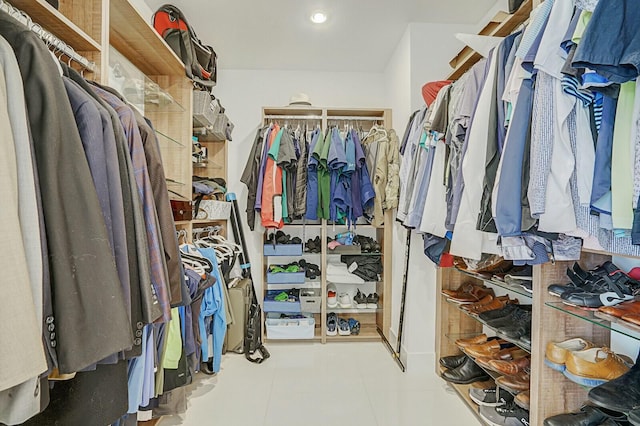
{"x":200,"y":60}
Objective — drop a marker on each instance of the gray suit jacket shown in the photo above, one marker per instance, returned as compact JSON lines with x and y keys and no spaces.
{"x":83,"y":274}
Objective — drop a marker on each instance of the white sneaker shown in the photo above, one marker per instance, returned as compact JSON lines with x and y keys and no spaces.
{"x":344,"y":300}
{"x":332,"y":296}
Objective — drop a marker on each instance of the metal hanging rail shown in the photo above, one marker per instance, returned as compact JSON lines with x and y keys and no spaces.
{"x":293,"y":117}
{"x":51,"y":40}
{"x":319,"y":117}
{"x":353,"y":118}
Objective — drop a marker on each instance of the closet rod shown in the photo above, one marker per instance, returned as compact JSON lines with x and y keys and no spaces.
{"x":46,"y":36}
{"x":353,"y":118}
{"x":294,"y":117}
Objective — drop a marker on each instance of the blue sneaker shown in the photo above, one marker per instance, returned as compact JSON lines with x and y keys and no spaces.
{"x":354,"y":326}
{"x":332,"y":324}
{"x":343,"y":327}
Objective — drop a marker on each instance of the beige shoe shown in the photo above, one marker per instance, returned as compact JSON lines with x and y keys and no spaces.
{"x":557,"y":352}
{"x":479,"y":339}
{"x":595,"y":366}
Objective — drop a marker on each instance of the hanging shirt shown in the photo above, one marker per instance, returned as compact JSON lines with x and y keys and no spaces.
{"x":313,"y":193}
{"x":324,"y":177}
{"x":336,"y":162}
{"x":213,"y":305}
{"x":271,"y":212}
{"x":266,"y":144}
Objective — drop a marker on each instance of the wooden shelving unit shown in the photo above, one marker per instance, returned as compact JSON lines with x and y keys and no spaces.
{"x":552,"y":321}
{"x":136,"y":39}
{"x":373,"y":322}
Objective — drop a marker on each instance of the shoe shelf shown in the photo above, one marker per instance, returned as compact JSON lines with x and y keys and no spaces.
{"x":516,"y":342}
{"x":463,"y":393}
{"x":600,"y":319}
{"x":375,"y":324}
{"x":353,"y":310}
{"x":509,"y":287}
{"x":367,"y":333}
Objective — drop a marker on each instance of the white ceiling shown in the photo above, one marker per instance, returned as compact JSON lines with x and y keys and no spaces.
{"x":359,"y":35}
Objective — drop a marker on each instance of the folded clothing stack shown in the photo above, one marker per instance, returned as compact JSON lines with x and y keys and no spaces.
{"x":339,"y":273}
{"x":368,"y":268}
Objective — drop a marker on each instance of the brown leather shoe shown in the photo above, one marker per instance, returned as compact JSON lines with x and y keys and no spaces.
{"x":506,"y":354}
{"x":495,"y":303}
{"x":484,"y":301}
{"x":594,"y":366}
{"x":489,"y":349}
{"x":632,"y":318}
{"x":464,"y":288}
{"x":473,"y":296}
{"x":516,"y":384}
{"x":523,"y":400}
{"x":477,"y":340}
{"x":557,"y":352}
{"x":510,"y":367}
{"x":626,"y":308}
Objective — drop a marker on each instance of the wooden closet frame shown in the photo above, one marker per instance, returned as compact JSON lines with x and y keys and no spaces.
{"x":372,"y":324}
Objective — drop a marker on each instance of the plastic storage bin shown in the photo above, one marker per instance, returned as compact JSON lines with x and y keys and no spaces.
{"x":310,"y":299}
{"x":282,"y":250}
{"x":290,"y":328}
{"x":285,"y":277}
{"x":272,"y":305}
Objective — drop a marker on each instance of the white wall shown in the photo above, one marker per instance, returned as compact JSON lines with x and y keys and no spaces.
{"x":244,"y":93}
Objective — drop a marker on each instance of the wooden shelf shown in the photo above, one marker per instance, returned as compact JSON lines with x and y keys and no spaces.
{"x":136,"y":39}
{"x":367,"y":334}
{"x":501,"y":25}
{"x":57,"y":24}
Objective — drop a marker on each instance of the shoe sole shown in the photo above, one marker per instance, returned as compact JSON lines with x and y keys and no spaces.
{"x":583,"y":381}
{"x":489,"y":422}
{"x":344,"y":333}
{"x":467,"y":382}
{"x":344,"y":305}
{"x":332,"y":333}
{"x":486,"y":404}
{"x":361,"y":305}
{"x":554,"y":294}
{"x":372,"y":306}
{"x":512,"y":390}
{"x":558,"y":367}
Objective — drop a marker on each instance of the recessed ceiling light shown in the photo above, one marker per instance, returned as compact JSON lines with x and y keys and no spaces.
{"x":319,"y":18}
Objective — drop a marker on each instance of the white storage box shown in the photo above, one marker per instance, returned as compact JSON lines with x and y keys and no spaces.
{"x":290,"y":328}
{"x":310,"y":299}
{"x":214,"y":210}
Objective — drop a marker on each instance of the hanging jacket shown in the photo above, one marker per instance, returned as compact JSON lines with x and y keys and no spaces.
{"x":250,"y":176}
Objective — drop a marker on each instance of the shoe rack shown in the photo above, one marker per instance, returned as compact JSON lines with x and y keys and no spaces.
{"x":373,"y":322}
{"x":551,"y":392}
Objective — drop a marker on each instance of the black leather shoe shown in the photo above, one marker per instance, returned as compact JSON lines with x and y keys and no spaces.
{"x":498,"y":313}
{"x":207,"y":368}
{"x":587,"y":416}
{"x":467,"y":372}
{"x":621,"y":394}
{"x":453,"y":361}
{"x":634,"y":417}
